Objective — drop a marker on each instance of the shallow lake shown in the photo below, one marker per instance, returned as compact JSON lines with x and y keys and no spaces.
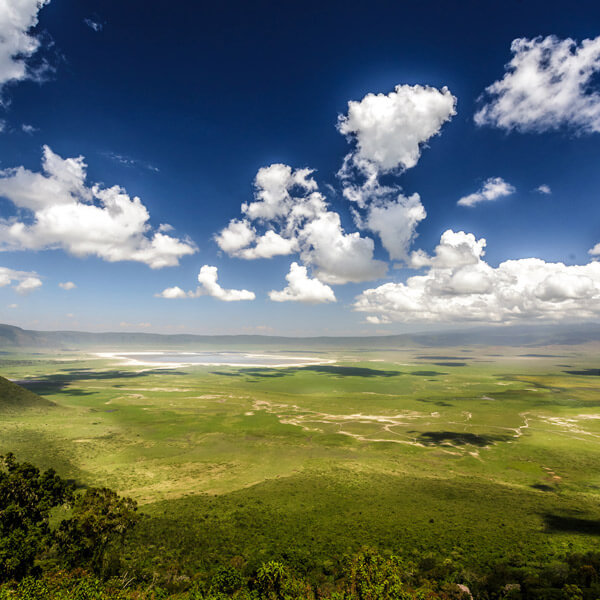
{"x":216,"y":358}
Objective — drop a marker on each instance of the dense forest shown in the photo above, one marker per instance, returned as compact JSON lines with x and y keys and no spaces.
{"x":58,"y":541}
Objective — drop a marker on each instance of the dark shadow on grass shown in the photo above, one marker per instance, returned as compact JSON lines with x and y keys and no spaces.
{"x":50,"y":384}
{"x":585,"y":372}
{"x":543,"y":487}
{"x":425,"y":357}
{"x":348,"y":371}
{"x":459,"y":438}
{"x":45,"y":388}
{"x":427,"y":373}
{"x":436,"y":402}
{"x":225,"y":374}
{"x":267,"y":373}
{"x":450,"y":364}
{"x":571,"y":524}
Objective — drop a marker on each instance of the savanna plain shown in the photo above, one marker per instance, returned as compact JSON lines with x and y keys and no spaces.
{"x":467,"y":456}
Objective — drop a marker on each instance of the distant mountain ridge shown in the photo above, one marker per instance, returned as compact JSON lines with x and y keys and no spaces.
{"x":530,"y":335}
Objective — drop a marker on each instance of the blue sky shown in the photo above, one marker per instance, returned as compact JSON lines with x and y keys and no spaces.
{"x":184,"y":107}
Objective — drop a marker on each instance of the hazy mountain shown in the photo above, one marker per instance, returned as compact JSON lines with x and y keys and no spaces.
{"x":533,"y":335}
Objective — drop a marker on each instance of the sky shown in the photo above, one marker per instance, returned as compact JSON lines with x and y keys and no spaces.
{"x":339,"y":168}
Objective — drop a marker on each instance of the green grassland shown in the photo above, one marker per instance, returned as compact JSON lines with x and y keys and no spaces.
{"x":483,"y":454}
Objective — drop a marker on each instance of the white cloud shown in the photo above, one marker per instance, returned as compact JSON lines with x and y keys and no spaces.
{"x":268,"y":245}
{"x":235,"y":237}
{"x":63,"y":212}
{"x":389,"y":132}
{"x":208,"y":286}
{"x":67,"y":285}
{"x":374,"y":320}
{"x":95,"y":25}
{"x":274,"y":185}
{"x":28,"y":285}
{"x":296,"y":218}
{"x":390,"y":129}
{"x":290,"y":215}
{"x":130,"y":162}
{"x":13,"y":306}
{"x":173,"y":292}
{"x":302,"y":288}
{"x":22,"y":282}
{"x":338,"y":257}
{"x":543,"y":189}
{"x":207,"y":278}
{"x":492,"y":189}
{"x":595,"y":251}
{"x":548,"y":84}
{"x":17,"y":17}
{"x":395,"y":222}
{"x":29,"y":129}
{"x":460,"y":286}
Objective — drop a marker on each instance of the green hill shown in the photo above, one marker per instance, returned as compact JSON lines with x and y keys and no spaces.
{"x":13,"y":397}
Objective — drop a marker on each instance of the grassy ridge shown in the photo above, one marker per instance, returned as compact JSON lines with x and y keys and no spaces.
{"x":14,"y":398}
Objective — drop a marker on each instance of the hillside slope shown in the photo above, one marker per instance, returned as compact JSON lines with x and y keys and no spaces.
{"x":13,"y":398}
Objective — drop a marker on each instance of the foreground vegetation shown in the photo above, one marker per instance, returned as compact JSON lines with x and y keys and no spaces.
{"x":92,"y":538}
{"x":456,"y":468}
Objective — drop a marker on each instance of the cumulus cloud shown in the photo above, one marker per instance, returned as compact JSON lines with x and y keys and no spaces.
{"x":295,"y":217}
{"x":338,"y":257}
{"x":389,"y":130}
{"x":460,"y":286}
{"x":290,"y":215}
{"x":207,"y":278}
{"x":67,"y":285}
{"x":236,"y":238}
{"x":301,"y":288}
{"x":174,"y":292}
{"x":395,"y":222}
{"x":28,"y":285}
{"x":543,"y":189}
{"x":209,"y":286}
{"x":17,"y":44}
{"x":59,"y":210}
{"x":374,"y":320}
{"x":22,"y":282}
{"x":548,"y":84}
{"x":492,"y":189}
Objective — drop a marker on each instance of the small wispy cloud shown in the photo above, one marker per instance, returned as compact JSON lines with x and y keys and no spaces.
{"x":28,"y":129}
{"x":67,"y":285}
{"x":93,"y":24}
{"x":128,"y":161}
{"x":22,"y":282}
{"x":492,"y":189}
{"x":543,"y":189}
